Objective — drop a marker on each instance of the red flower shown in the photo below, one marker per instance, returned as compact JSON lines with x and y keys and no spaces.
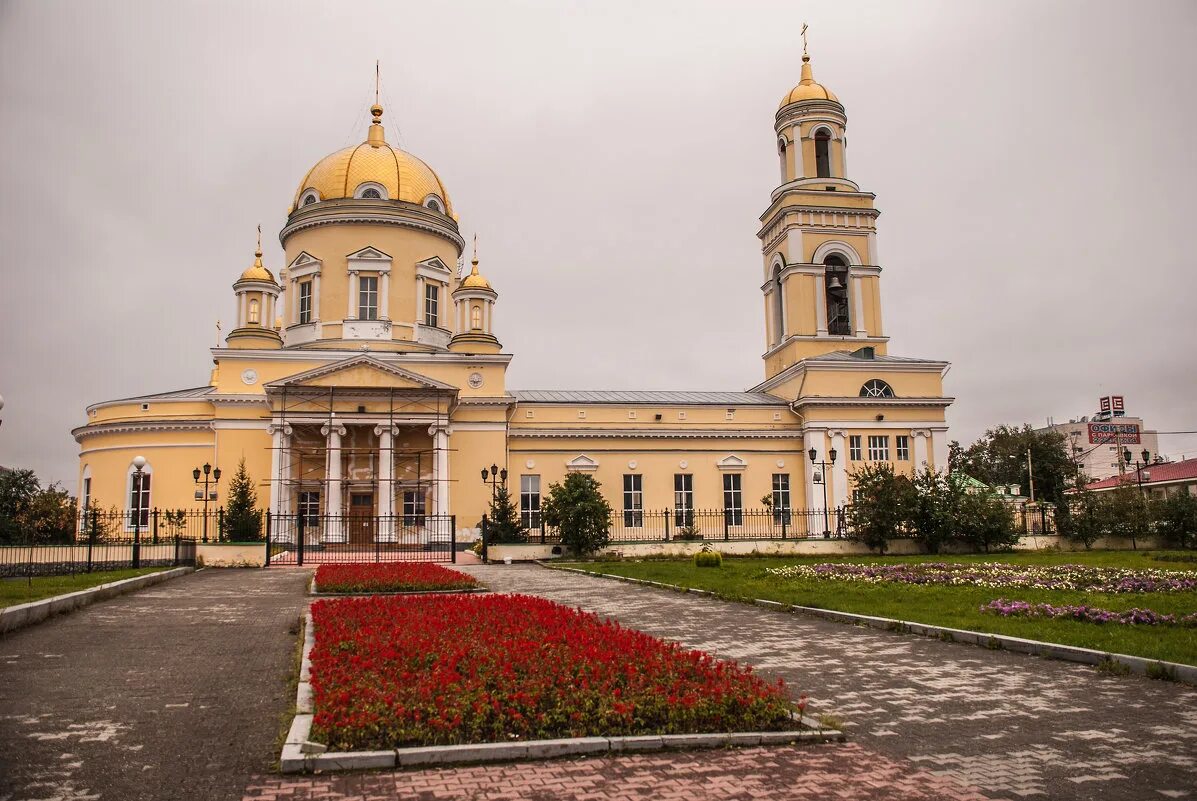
{"x":390,"y":577}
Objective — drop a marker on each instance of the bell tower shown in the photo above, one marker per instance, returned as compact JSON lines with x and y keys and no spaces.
{"x":818,"y":237}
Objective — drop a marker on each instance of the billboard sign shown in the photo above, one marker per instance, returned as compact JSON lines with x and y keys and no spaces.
{"x":1120,"y":433}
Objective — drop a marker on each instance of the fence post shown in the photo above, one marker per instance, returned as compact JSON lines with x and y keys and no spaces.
{"x":483,"y":534}
{"x":268,"y":521}
{"x":666,"y":513}
{"x":377,"y":544}
{"x":785,"y":518}
{"x":137,"y":539}
{"x":453,"y":538}
{"x":299,"y":543}
{"x":176,"y":562}
{"x":726,"y":524}
{"x":91,"y":535}
{"x":155,"y":534}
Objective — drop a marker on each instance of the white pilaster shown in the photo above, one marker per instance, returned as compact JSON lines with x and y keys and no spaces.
{"x":386,"y":484}
{"x":419,"y":318}
{"x":939,"y":448}
{"x":351,"y":311}
{"x":858,"y":303}
{"x":242,"y":306}
{"x":839,"y":472}
{"x":335,"y":530}
{"x":821,"y":304}
{"x":921,"y":438}
{"x":384,"y":300}
{"x":316,"y":297}
{"x":440,"y":445}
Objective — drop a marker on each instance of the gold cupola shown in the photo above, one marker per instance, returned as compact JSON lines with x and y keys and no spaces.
{"x":474,"y":301}
{"x":807,"y":88}
{"x":257,"y":295}
{"x":374,"y":170}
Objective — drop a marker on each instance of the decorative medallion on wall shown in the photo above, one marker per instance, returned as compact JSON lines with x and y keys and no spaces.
{"x":529,"y":464}
{"x":475,"y":380}
{"x":781,"y":462}
{"x":683,"y":464}
{"x":632,"y":464}
{"x":249,"y":377}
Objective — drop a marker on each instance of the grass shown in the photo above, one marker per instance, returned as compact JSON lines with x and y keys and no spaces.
{"x":955,"y":607}
{"x":15,"y":591}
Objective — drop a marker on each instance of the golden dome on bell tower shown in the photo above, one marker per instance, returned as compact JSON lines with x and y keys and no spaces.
{"x":807,"y":88}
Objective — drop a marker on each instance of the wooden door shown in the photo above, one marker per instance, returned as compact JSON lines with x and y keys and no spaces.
{"x":361,"y":518}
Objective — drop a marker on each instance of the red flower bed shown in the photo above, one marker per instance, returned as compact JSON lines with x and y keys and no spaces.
{"x":433,"y":670}
{"x":391,"y":577}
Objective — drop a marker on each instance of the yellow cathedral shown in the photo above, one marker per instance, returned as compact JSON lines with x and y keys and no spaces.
{"x":365,"y":377}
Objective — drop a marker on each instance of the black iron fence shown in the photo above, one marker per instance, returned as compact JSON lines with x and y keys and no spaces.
{"x":684,"y":525}
{"x":294,"y":539}
{"x":88,"y":555}
{"x":202,"y":525}
{"x":1036,"y":520}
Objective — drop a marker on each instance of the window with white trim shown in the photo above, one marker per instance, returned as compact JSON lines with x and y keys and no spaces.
{"x":781,"y":498}
{"x":530,"y":501}
{"x":367,"y":297}
{"x":305,"y":302}
{"x":475,"y":317}
{"x":432,"y":294}
{"x":876,"y":388}
{"x":139,"y":498}
{"x":309,"y":198}
{"x":902,"y":446}
{"x":253,"y":317}
{"x":854,"y":454}
{"x":683,"y":499}
{"x":633,"y":500}
{"x":434,"y":203}
{"x":878,"y":448}
{"x":371,"y":194}
{"x":822,"y":153}
{"x":86,"y":493}
{"x":733,"y":499}
{"x":413,"y":508}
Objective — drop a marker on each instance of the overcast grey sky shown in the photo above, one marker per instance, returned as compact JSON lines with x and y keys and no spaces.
{"x":1033,"y":162}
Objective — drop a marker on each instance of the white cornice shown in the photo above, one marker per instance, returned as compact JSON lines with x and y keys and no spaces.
{"x":818,"y":400}
{"x":331,"y":355}
{"x":372,"y":212}
{"x":127,"y":426}
{"x":840,"y":340}
{"x":515,"y":432}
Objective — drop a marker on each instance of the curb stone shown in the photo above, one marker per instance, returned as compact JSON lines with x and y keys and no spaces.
{"x":21,"y":615}
{"x":300,"y":754}
{"x":1065,"y":653}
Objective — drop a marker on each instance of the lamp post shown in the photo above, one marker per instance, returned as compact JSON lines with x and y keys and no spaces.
{"x":1,"y":407}
{"x":1141,"y":473}
{"x":138,"y":467}
{"x":494,"y":476}
{"x":821,"y":478}
{"x":208,"y":493}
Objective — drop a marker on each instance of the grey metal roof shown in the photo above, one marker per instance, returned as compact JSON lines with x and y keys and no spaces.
{"x":843,"y":355}
{"x":648,"y":397}
{"x":193,"y":392}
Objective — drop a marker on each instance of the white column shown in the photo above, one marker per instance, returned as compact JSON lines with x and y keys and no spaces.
{"x":858,"y":297}
{"x":384,"y":292}
{"x":242,"y":317}
{"x":335,"y":530}
{"x":839,"y":441}
{"x":293,"y":317}
{"x":440,"y":445}
{"x":316,"y":297}
{"x":920,"y":449}
{"x":487,"y":307}
{"x":352,"y":293}
{"x":821,"y":304}
{"x":386,"y":484}
{"x":939,"y":448}
{"x":276,"y":454}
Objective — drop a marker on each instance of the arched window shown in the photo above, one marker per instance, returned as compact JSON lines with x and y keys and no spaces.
{"x":823,"y":153}
{"x":779,"y":309}
{"x":781,"y":152}
{"x":476,"y":317}
{"x":139,"y":497}
{"x":254,"y":315}
{"x":876,"y":388}
{"x":372,"y":194}
{"x":370,"y":190}
{"x":309,"y":197}
{"x":433,"y":202}
{"x":836,"y":284}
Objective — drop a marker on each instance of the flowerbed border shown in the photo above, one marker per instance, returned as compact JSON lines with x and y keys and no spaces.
{"x":300,"y":755}
{"x":1142,"y":666}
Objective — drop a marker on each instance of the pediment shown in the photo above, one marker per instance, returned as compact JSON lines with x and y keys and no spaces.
{"x":435,"y":263}
{"x":731,"y":462}
{"x":303,"y":259}
{"x":361,"y":372}
{"x":581,"y":464}
{"x":369,"y":253}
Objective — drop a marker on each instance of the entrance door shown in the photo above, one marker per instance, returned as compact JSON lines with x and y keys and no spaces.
{"x":361,"y":518}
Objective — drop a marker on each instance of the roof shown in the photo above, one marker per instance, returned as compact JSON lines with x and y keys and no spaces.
{"x":193,"y":392}
{"x":807,"y":88}
{"x":648,"y":397}
{"x":1160,"y":473}
{"x":843,"y":355}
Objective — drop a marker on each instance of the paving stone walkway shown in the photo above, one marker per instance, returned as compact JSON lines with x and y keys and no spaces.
{"x":172,"y":692}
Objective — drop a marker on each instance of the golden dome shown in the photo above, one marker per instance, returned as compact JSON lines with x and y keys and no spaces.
{"x":403,"y":175}
{"x":475,"y":280}
{"x":807,"y":89}
{"x":257,"y":271}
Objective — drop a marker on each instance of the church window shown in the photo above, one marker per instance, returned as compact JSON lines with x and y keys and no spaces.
{"x":434,"y":203}
{"x":254,"y":312}
{"x":823,"y":153}
{"x":305,"y":302}
{"x":372,"y":194}
{"x":902,"y":446}
{"x":733,"y":500}
{"x":683,"y":499}
{"x":309,"y":198}
{"x":530,"y":501}
{"x":476,"y":317}
{"x":633,"y":500}
{"x":139,"y":497}
{"x":781,"y":152}
{"x":431,"y":302}
{"x":876,"y":388}
{"x":854,"y":454}
{"x":839,"y":322}
{"x":779,"y":313}
{"x":367,"y":297}
{"x":878,"y":448}
{"x":781,"y":498}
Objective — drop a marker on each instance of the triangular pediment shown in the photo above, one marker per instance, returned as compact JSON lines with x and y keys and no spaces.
{"x":304,"y":258}
{"x":581,"y":464}
{"x":368,"y":253}
{"x":361,"y":372}
{"x":435,"y":263}
{"x":731,"y":462}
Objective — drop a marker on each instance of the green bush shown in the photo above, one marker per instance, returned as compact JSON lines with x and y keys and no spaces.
{"x":581,"y":513}
{"x":1176,"y":519}
{"x":705,"y":558}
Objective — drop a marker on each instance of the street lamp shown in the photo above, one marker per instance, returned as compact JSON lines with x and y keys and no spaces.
{"x":1141,"y":474}
{"x":821,"y":478}
{"x":494,"y":476}
{"x":208,"y":493}
{"x":138,"y":468}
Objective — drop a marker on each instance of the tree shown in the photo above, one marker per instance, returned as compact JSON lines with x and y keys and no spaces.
{"x":242,"y":520}
{"x":1125,"y":513}
{"x":986,"y":521}
{"x":1000,"y":457}
{"x":579,"y":510}
{"x":1081,"y":519}
{"x":29,"y":513}
{"x":503,"y":522}
{"x":1176,"y":519}
{"x":882,"y":504}
{"x":52,"y":516}
{"x":935,"y":507}
{"x":18,"y":488}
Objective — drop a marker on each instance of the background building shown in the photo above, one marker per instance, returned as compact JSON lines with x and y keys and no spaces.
{"x":1097,"y":442}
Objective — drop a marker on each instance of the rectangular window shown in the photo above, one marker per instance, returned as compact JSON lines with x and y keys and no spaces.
{"x":683,"y":499}
{"x":139,"y":500}
{"x":854,"y":448}
{"x":633,"y":500}
{"x":87,"y":493}
{"x":878,"y":448}
{"x":367,"y":297}
{"x":309,"y":508}
{"x":781,"y":498}
{"x":413,"y":508}
{"x":733,"y":500}
{"x":305,"y":302}
{"x":530,"y":501}
{"x":431,"y":301}
{"x":902,"y":444}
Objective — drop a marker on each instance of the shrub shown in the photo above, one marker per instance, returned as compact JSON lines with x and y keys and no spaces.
{"x":242,"y":519}
{"x":580,"y":512}
{"x":882,"y":506}
{"x":708,"y":558}
{"x":986,"y":522}
{"x":503,"y":524}
{"x":1176,"y":519}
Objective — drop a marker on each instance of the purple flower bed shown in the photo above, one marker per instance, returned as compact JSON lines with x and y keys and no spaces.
{"x":998,"y":575}
{"x":1087,"y":614}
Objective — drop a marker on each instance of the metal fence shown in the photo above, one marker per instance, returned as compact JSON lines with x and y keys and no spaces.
{"x":682,"y":525}
{"x":90,"y":555}
{"x":202,"y":525}
{"x":294,"y":539}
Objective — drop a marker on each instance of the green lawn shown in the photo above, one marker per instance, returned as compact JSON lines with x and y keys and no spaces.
{"x":956,"y":607}
{"x":15,"y":591}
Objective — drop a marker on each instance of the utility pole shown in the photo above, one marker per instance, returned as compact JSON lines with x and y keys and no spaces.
{"x":1030,"y":476}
